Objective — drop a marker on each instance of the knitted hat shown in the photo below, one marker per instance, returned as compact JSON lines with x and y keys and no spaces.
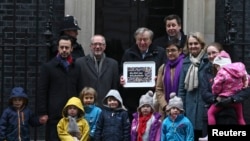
{"x":222,"y":59}
{"x":146,"y":99}
{"x":69,"y":23}
{"x":18,"y":92}
{"x":175,"y":101}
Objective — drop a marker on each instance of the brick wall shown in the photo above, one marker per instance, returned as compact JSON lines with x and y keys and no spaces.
{"x":23,"y":48}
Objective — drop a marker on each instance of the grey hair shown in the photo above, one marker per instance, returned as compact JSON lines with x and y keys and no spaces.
{"x":92,"y":38}
{"x":143,"y":30}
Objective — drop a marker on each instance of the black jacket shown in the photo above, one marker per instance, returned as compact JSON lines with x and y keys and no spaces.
{"x":227,"y":115}
{"x":162,"y":41}
{"x":55,"y":87}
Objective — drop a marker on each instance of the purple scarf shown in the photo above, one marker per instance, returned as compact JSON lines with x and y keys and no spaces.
{"x":169,"y":87}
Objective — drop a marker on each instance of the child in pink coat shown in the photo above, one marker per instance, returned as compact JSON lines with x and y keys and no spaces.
{"x":146,"y":123}
{"x":230,"y":78}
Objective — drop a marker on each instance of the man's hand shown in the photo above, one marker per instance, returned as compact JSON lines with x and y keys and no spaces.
{"x":43,"y":119}
{"x":225,"y":102}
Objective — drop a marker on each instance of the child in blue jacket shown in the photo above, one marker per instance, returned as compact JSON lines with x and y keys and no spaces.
{"x":88,"y":97}
{"x":176,"y":127}
{"x":113,"y":123}
{"x":17,"y":118}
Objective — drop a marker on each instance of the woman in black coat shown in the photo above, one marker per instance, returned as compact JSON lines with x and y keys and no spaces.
{"x":226,"y":116}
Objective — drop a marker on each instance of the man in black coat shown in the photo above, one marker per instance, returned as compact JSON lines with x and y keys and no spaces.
{"x":173,"y":31}
{"x":99,"y":71}
{"x":59,"y":81}
{"x":144,"y":51}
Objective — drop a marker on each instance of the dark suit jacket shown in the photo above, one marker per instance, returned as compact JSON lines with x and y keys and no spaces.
{"x":102,"y":82}
{"x":55,"y":87}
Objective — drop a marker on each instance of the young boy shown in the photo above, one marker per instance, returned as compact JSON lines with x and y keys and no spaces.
{"x":73,"y":127}
{"x":146,"y":124}
{"x":17,"y":118}
{"x":113,"y":123}
{"x":88,"y":96}
{"x":176,"y":126}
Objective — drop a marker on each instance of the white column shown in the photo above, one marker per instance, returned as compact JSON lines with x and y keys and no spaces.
{"x":84,"y":11}
{"x":199,"y":15}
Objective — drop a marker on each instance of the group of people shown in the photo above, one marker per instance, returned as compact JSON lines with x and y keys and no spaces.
{"x":82,"y":120}
{"x":189,"y":91}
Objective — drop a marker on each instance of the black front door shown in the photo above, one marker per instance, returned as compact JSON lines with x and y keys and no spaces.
{"x":117,"y":20}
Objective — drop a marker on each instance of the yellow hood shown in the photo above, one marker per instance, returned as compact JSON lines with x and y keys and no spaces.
{"x":76,"y":102}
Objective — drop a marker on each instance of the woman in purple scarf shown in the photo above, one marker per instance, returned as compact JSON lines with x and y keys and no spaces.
{"x":168,"y":75}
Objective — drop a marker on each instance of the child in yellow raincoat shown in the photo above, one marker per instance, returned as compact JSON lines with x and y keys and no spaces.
{"x":73,"y":127}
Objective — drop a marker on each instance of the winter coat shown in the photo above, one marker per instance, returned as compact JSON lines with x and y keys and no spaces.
{"x":163,"y":40}
{"x":193,"y":103}
{"x":55,"y":87}
{"x":113,"y":124}
{"x":102,"y":82}
{"x":10,"y":127}
{"x":62,"y":126}
{"x":132,"y":95}
{"x":229,"y":79}
{"x":227,"y":115}
{"x":161,"y":87}
{"x":92,"y":114}
{"x":179,"y":130}
{"x":155,"y":53}
{"x":155,"y":127}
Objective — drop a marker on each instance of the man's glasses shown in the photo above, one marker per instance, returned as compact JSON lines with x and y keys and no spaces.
{"x":97,"y":44}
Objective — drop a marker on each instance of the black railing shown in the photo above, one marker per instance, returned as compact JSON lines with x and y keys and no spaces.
{"x":235,"y":36}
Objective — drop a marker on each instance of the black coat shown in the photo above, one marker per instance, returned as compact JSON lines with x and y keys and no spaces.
{"x":112,"y":125}
{"x":131,"y":96}
{"x":55,"y":87}
{"x":227,"y":115}
{"x":102,"y":82}
{"x":162,"y":41}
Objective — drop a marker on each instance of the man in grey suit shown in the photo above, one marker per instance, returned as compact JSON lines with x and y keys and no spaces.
{"x":99,"y":71}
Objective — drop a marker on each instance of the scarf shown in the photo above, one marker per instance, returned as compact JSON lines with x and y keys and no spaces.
{"x":171,"y":85}
{"x":98,"y":63}
{"x":142,"y":125}
{"x":65,"y":62}
{"x":191,"y":80}
{"x":73,"y":128}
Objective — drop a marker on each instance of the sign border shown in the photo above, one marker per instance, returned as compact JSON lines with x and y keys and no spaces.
{"x":150,"y":64}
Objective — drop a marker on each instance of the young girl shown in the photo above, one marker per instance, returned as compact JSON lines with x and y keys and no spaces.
{"x":88,"y":96}
{"x":146,"y":124}
{"x":230,"y":79}
{"x":73,"y":127}
{"x":18,"y":117}
{"x":176,"y":126}
{"x":113,"y":123}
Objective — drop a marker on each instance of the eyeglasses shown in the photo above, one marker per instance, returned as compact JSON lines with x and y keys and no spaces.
{"x":97,"y":44}
{"x":171,"y":50}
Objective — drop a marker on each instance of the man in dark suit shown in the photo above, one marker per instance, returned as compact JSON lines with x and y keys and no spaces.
{"x":173,"y":30}
{"x":99,"y":71}
{"x":59,"y":81}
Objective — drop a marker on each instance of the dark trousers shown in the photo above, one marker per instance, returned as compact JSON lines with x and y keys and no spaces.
{"x":51,"y":131}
